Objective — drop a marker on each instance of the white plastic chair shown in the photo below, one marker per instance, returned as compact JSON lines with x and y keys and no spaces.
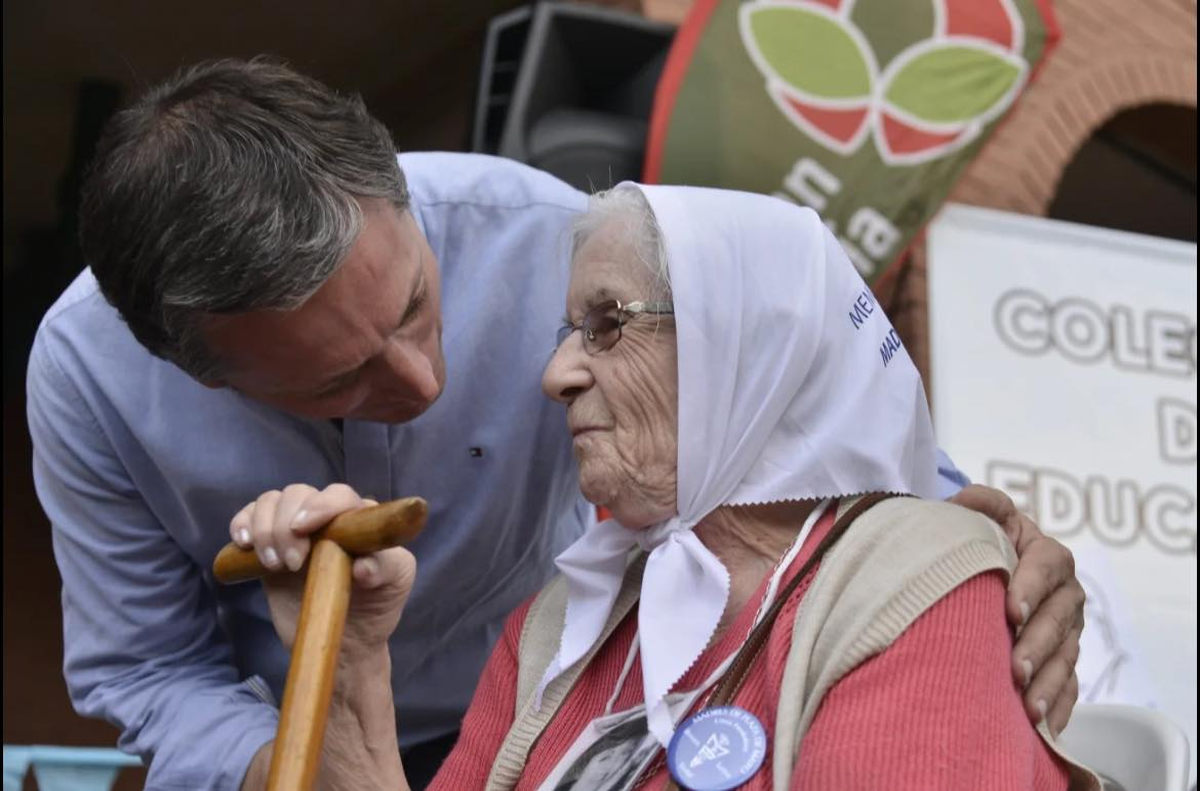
{"x":1137,"y":748}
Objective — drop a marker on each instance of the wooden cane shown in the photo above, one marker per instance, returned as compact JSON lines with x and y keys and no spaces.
{"x":296,"y":756}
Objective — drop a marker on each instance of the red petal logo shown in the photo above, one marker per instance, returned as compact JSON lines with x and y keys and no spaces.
{"x":993,"y":21}
{"x":840,"y":129}
{"x":905,"y":140}
{"x":841,"y":125}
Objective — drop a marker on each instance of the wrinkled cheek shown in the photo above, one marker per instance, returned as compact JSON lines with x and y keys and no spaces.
{"x":595,"y":484}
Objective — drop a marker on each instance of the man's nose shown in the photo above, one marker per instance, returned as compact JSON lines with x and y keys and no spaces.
{"x":412,"y":372}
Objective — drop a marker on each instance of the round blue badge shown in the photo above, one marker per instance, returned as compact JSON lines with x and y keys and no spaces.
{"x":717,"y":749}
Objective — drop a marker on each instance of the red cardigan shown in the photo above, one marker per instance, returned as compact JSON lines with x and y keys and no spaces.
{"x":937,"y":710}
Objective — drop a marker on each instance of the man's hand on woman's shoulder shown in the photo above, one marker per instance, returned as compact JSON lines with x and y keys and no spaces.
{"x":1045,"y":603}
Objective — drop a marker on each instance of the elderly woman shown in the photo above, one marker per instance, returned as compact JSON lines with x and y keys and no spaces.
{"x":747,"y":618}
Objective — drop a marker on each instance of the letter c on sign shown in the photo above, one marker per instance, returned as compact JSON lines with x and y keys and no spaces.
{"x":1023,"y":321}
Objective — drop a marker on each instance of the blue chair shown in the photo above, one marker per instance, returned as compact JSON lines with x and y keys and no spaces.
{"x":64,"y":768}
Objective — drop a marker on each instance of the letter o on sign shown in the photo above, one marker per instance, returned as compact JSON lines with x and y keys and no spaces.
{"x":1080,"y":330}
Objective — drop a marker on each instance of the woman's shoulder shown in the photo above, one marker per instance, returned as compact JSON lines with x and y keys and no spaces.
{"x":921,"y":533}
{"x":896,"y":561}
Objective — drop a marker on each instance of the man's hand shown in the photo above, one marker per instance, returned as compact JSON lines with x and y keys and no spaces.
{"x":1045,"y":603}
{"x":277,"y":525}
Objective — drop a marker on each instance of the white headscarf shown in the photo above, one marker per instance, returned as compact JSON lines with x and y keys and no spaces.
{"x":792,"y":385}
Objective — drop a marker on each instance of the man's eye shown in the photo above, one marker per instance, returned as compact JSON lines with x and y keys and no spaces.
{"x":414,"y":307}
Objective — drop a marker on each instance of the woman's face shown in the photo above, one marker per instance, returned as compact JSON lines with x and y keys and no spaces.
{"x":622,"y":403}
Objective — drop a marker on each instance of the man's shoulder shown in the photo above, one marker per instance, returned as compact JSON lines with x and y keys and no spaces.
{"x":487,"y":181}
{"x":77,"y":298}
{"x":83,"y":328}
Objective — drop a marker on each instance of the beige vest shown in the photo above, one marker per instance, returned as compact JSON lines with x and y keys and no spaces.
{"x":897,"y":561}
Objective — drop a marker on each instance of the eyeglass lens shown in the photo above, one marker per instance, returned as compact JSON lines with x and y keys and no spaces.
{"x":601,"y":328}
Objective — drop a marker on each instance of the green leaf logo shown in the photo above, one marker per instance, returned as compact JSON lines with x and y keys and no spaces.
{"x":809,"y":49}
{"x":951,"y":83}
{"x":933,"y":98}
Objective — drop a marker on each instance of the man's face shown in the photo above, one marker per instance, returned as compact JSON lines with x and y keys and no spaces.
{"x":367,"y":345}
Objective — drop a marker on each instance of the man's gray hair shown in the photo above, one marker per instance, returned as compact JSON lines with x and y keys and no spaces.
{"x":639,"y":228}
{"x":233,"y":186}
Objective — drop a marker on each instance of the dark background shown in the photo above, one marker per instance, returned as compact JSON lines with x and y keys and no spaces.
{"x":67,"y":63}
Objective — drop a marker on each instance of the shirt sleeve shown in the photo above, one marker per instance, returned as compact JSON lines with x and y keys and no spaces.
{"x":142,"y":644}
{"x":937,"y":710}
{"x":490,"y":715}
{"x":950,"y":478}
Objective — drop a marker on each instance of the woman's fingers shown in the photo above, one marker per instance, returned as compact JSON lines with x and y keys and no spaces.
{"x":262,"y":529}
{"x":291,"y":546}
{"x":393,"y":568}
{"x":239,"y":527}
{"x":382,"y":583}
{"x":278,"y":524}
{"x":319,"y":508}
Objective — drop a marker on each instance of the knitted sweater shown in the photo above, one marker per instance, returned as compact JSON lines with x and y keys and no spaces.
{"x":937,"y":709}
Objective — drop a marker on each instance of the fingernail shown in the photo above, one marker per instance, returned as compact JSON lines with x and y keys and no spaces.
{"x":1024,"y":612}
{"x":370,"y":567}
{"x":1041,"y":707}
{"x":293,"y":559}
{"x":243,"y":536}
{"x":1027,"y":671}
{"x":270,"y":558}
{"x":299,"y":518}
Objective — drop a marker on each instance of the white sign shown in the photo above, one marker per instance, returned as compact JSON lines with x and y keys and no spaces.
{"x":1063,"y":371}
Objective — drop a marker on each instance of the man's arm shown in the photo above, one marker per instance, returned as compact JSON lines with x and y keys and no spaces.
{"x":142,"y":644}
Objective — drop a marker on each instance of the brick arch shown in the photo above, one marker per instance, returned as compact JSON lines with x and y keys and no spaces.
{"x":1113,"y":56}
{"x":1022,"y":174}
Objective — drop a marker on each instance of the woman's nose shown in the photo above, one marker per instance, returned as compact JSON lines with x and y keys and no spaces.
{"x":567,"y":374}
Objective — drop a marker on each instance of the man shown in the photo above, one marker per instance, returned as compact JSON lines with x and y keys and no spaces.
{"x":271,"y":299}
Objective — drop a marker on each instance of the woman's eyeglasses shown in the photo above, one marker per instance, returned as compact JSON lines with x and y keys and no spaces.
{"x":601,"y":326}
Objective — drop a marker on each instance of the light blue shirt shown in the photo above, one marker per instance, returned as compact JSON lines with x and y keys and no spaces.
{"x":140,"y":469}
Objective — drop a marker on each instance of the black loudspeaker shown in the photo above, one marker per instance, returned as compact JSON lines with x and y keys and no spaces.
{"x":584,"y":91}
{"x":502,"y":51}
